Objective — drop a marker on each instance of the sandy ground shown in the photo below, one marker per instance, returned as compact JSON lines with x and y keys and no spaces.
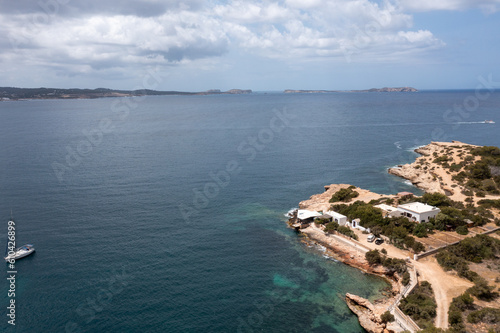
{"x":446,"y":286}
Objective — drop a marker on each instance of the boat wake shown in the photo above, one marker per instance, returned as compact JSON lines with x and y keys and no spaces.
{"x":474,"y":122}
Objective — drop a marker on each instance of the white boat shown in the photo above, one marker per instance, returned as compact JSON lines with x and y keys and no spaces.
{"x":489,"y":122}
{"x":20,"y":252}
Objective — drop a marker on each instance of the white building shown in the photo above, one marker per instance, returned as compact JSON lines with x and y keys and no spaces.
{"x":336,"y":217}
{"x":355,"y":224}
{"x":307,"y":216}
{"x":418,"y":212}
{"x":389,"y":211}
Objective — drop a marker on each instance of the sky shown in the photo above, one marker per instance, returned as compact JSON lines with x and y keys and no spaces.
{"x":195,"y":45}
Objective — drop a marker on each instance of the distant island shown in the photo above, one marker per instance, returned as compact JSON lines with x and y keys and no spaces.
{"x":11,"y":93}
{"x":385,"y":89}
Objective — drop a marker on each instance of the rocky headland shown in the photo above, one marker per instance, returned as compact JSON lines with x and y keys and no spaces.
{"x":464,"y":173}
{"x":437,"y":168}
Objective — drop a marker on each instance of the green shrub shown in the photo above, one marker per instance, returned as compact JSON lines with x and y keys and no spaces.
{"x":489,"y":185}
{"x":348,"y":232}
{"x":395,"y":265}
{"x":480,"y":170}
{"x":331,"y":227}
{"x":441,"y":159}
{"x":420,"y":304}
{"x":420,"y":230}
{"x":387,"y":317}
{"x":455,"y":317}
{"x":373,"y":257}
{"x":462,"y":302}
{"x":418,"y":247}
{"x":462,"y":230}
{"x":485,"y":315}
{"x":490,"y":203}
{"x":344,"y":194}
{"x":435,"y":199}
{"x":406,"y":278}
{"x":482,"y":290}
{"x":321,"y":220}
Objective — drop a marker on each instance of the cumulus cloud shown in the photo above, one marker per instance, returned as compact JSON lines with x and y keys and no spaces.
{"x":488,"y":6}
{"x":328,"y":29}
{"x":92,"y":35}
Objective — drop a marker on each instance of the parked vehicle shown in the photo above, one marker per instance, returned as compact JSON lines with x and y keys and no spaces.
{"x":370,"y":238}
{"x":379,"y":241}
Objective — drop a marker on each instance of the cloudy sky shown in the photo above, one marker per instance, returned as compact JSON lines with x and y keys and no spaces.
{"x":198,"y":45}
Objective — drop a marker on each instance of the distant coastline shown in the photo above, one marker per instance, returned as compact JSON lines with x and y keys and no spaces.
{"x":385,"y":89}
{"x":15,"y":94}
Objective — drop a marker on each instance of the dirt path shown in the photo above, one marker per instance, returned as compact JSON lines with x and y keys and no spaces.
{"x":446,"y":287}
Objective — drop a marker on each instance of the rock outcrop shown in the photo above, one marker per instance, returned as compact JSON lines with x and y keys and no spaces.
{"x":365,"y":311}
{"x":320,"y":202}
{"x":432,"y":177}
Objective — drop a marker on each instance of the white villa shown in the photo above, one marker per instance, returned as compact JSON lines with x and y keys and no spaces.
{"x":336,"y":217}
{"x":307,"y":216}
{"x":418,"y":212}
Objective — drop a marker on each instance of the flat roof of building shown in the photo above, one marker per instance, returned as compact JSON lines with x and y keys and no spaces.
{"x":304,"y":214}
{"x":387,"y":208}
{"x":335,"y":214}
{"x":418,"y":207}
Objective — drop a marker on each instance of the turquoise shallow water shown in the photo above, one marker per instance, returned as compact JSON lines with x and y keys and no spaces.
{"x":167,"y":215}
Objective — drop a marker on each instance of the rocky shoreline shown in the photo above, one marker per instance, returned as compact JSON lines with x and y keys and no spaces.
{"x":432,"y":177}
{"x":368,"y":313}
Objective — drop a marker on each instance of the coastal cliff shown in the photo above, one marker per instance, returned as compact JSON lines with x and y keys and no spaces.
{"x":367,"y":315}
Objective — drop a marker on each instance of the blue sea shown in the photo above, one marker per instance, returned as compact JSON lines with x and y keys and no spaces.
{"x":166,"y":214}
